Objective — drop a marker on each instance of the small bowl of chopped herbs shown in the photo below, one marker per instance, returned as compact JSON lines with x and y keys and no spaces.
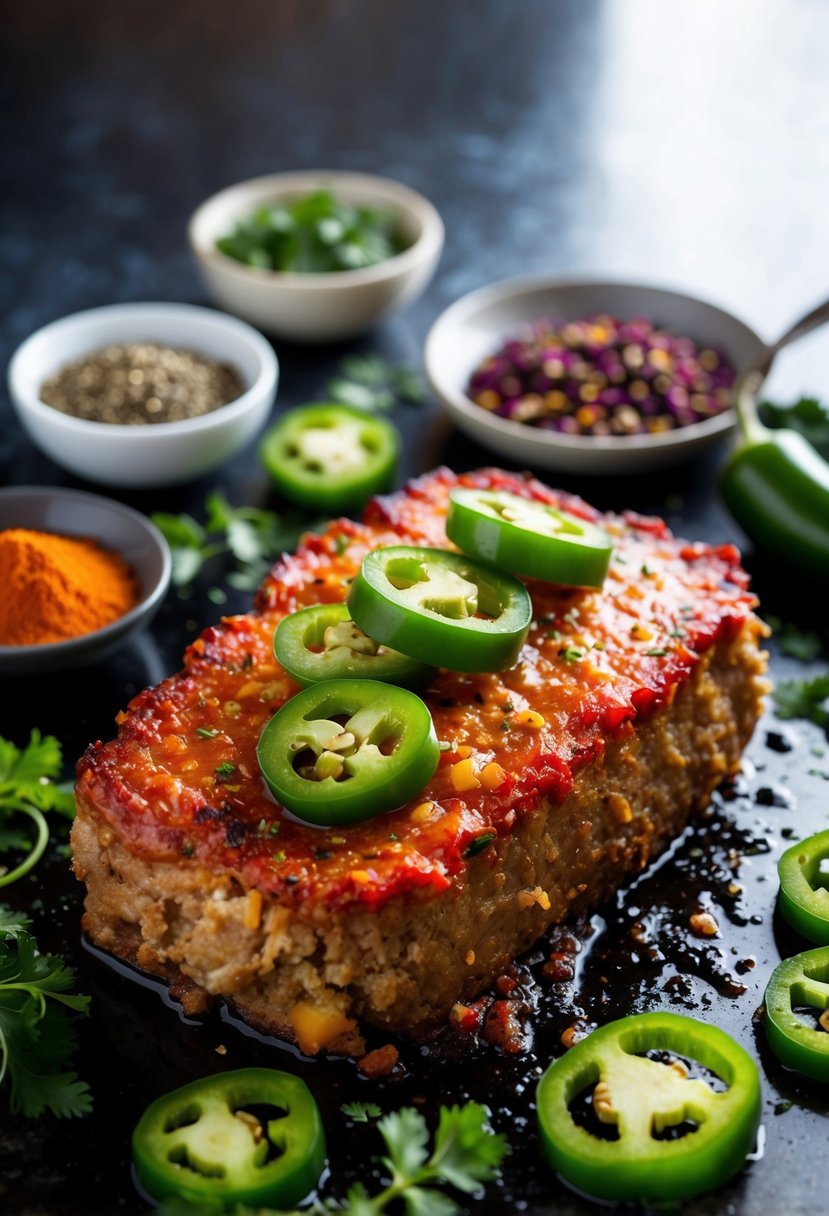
{"x":316,"y":256}
{"x":589,"y":376}
{"x":143,"y":395}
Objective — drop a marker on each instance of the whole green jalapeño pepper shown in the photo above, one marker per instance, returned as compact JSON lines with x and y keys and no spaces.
{"x":323,"y":643}
{"x":642,"y":1098}
{"x":777,"y":488}
{"x":343,"y":751}
{"x":804,"y":887}
{"x":441,"y":607}
{"x":253,"y":1136}
{"x":799,"y":983}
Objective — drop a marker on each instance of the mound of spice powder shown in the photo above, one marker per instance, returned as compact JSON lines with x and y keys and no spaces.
{"x":602,"y":376}
{"x":141,"y":382}
{"x":59,"y":587}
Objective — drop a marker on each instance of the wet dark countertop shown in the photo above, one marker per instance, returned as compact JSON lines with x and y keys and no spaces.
{"x":686,"y":148}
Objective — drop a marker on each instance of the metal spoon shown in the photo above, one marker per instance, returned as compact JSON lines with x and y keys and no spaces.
{"x":752,"y":381}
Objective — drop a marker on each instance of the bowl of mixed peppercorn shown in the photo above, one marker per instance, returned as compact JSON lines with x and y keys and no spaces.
{"x":589,"y":376}
{"x":317,"y":255}
{"x":143,"y":395}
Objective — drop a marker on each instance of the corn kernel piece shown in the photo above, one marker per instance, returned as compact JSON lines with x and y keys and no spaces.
{"x":315,"y":1028}
{"x":250,"y":689}
{"x":253,"y":910}
{"x":526,"y":899}
{"x":620,"y":808}
{"x":463,"y":776}
{"x":469,"y":958}
{"x":703,"y":924}
{"x":492,"y":775}
{"x":423,"y":812}
{"x":530,"y":718}
{"x":463,"y":750}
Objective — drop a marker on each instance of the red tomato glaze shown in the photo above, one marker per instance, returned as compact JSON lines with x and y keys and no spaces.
{"x":594,"y":664}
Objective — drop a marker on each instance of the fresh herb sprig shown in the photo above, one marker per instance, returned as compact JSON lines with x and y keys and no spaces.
{"x":27,"y":787}
{"x":807,"y":699}
{"x":791,"y":640}
{"x":252,"y":536}
{"x":370,"y":382}
{"x":361,"y":1112}
{"x":465,"y":1155}
{"x":37,"y":1034}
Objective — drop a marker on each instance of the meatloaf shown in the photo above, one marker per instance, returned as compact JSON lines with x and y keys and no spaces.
{"x":559,"y":779}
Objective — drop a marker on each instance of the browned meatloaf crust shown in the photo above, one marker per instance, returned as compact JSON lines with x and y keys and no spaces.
{"x":634,"y":736}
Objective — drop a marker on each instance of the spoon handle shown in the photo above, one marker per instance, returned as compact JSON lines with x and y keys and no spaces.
{"x":812,"y":320}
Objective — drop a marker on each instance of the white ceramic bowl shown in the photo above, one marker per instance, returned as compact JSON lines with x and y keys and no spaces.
{"x":119,"y":529}
{"x":476,"y":326}
{"x":316,"y":307}
{"x":145,"y":455}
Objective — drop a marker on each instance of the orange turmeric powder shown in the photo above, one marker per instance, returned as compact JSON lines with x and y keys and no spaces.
{"x":58,"y":587}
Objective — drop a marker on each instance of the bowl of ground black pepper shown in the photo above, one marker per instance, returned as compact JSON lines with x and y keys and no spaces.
{"x":79,"y":574}
{"x":143,"y":395}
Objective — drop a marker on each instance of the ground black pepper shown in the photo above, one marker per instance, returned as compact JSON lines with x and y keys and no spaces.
{"x":141,"y":382}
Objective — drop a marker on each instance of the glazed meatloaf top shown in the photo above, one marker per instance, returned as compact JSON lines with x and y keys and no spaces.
{"x":181,"y":780}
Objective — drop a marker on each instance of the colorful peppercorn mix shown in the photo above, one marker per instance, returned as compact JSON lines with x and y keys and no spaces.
{"x":602,"y":376}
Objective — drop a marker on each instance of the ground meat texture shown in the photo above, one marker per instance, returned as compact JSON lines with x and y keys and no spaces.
{"x":393,"y":922}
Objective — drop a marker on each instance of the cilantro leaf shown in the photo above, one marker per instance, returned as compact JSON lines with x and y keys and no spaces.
{"x":466,"y":1153}
{"x":370,"y":382}
{"x":358,"y":1202}
{"x":12,"y":923}
{"x":423,"y":1201}
{"x":27,"y":789}
{"x":804,"y":699}
{"x":794,"y":641}
{"x":179,"y":531}
{"x":252,"y":536}
{"x":406,"y":1136}
{"x":361,"y":1112}
{"x":37,"y":1025}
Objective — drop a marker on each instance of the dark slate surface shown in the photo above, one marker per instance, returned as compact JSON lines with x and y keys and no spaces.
{"x":685,"y":146}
